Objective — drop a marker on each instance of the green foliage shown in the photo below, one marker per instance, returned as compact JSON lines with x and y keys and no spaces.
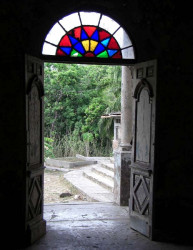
{"x":69,"y":145}
{"x":87,"y":137}
{"x":75,"y":98}
{"x":48,"y":147}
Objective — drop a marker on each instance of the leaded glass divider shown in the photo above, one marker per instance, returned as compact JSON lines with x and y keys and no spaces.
{"x":88,"y":34}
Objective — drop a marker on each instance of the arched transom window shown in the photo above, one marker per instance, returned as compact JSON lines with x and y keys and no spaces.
{"x":90,"y":35}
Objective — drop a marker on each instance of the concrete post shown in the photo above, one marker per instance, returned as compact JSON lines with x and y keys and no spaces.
{"x":126,"y":109}
{"x":123,"y":155}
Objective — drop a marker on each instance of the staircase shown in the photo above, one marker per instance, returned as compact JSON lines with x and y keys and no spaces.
{"x":102,"y":174}
{"x":96,"y":182}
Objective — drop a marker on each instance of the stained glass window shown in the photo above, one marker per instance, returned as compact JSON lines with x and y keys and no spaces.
{"x":88,"y":34}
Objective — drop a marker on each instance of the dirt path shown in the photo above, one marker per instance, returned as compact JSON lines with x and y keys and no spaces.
{"x":58,"y":190}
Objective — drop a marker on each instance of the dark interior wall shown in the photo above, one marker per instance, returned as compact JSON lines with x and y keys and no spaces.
{"x":174,"y":136}
{"x":12,"y":147}
{"x":174,"y":155}
{"x":159,"y":30}
{"x":174,"y":174}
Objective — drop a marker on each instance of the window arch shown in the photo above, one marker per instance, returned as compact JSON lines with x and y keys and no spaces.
{"x":88,"y":35}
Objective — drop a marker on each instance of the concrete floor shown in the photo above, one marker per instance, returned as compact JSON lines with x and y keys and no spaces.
{"x":84,"y":226}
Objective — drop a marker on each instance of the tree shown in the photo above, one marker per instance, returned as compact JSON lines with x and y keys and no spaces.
{"x":75,"y":98}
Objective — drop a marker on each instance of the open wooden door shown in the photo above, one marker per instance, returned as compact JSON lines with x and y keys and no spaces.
{"x":142,"y":165}
{"x":35,"y":225}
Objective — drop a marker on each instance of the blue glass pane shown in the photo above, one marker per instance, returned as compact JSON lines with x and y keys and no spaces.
{"x":99,"y":49}
{"x":73,"y":40}
{"x":83,"y":35}
{"x":79,"y":48}
{"x":95,"y":35}
{"x":67,"y":50}
{"x":105,"y":42}
{"x":111,"y":52}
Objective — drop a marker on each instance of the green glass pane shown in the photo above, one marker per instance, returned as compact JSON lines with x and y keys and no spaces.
{"x":104,"y":54}
{"x":75,"y":53}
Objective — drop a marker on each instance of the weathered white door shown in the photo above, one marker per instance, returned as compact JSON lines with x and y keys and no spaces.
{"x":35,"y":225}
{"x":142,"y":165}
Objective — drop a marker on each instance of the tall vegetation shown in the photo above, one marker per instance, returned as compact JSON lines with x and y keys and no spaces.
{"x":75,"y":98}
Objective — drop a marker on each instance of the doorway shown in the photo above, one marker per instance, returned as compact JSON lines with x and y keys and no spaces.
{"x":77,"y":141}
{"x":140,"y":193}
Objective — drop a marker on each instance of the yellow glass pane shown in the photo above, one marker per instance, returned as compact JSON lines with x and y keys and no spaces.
{"x":86,"y":45}
{"x":93,"y":45}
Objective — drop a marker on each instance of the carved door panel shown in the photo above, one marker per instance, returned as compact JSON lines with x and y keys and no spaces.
{"x":142,"y":166}
{"x":35,"y":225}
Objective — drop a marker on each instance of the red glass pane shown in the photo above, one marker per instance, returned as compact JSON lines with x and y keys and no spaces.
{"x":65,"y":42}
{"x":113,"y":44}
{"x":89,"y":30}
{"x":60,"y":53}
{"x":77,"y":32}
{"x":117,"y":55}
{"x":89,"y":54}
{"x":103,"y":34}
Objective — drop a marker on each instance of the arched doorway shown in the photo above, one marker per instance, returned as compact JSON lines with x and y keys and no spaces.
{"x":72,"y":39}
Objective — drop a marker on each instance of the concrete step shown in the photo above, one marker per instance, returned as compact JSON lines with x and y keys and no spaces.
{"x":92,"y":190}
{"x":103,"y":172}
{"x":112,"y":160}
{"x":108,"y":165}
{"x":102,"y":181}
